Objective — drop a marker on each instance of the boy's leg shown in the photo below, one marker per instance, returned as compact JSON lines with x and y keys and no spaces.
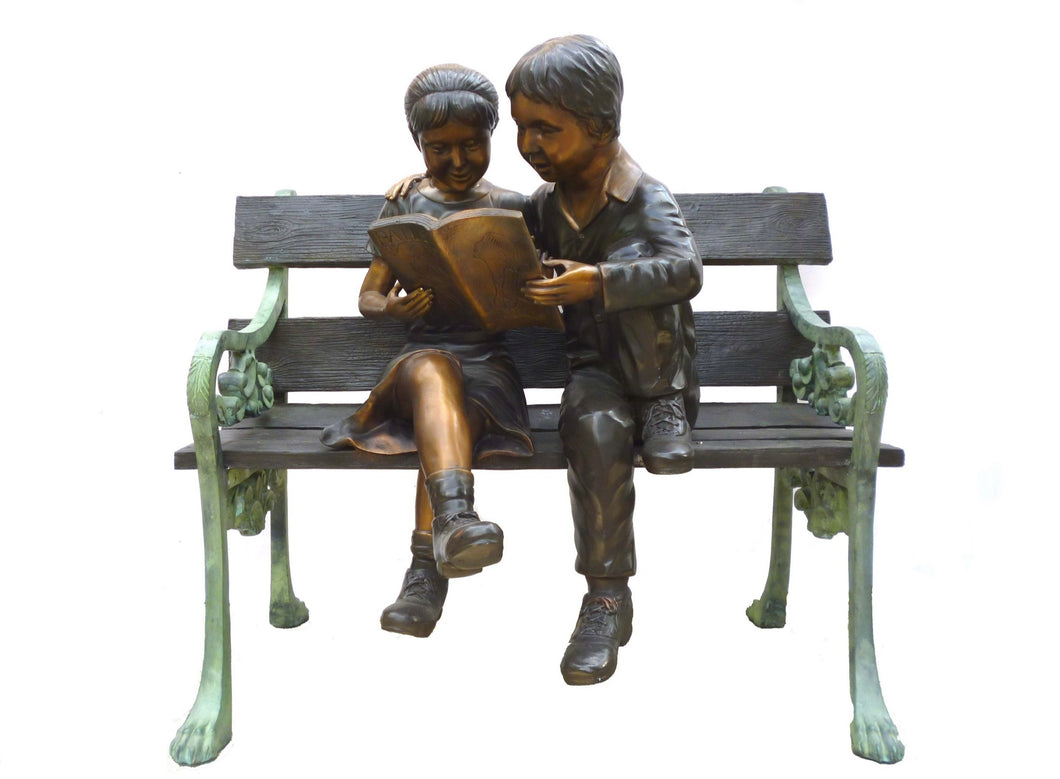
{"x":597,"y":428}
{"x":655,"y":348}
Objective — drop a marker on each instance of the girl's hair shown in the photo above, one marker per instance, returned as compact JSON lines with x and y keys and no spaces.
{"x":445,"y":92}
{"x":577,"y":73}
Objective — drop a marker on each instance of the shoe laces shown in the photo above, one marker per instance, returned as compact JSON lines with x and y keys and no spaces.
{"x":418,"y":585}
{"x":665,"y":417}
{"x":598,"y":616}
{"x":460,"y":518}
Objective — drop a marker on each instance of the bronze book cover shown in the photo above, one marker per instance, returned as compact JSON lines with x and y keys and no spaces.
{"x":475,"y":261}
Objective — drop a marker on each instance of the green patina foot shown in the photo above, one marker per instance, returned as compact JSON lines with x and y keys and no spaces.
{"x":765,"y":613}
{"x":874,"y":737}
{"x":288,"y":614}
{"x":205,"y":732}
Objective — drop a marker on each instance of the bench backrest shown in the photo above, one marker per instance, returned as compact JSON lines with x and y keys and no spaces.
{"x":331,"y":231}
{"x":735,"y":348}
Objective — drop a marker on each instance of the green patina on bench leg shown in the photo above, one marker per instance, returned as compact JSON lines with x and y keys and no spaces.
{"x":285,"y":610}
{"x":873,"y":734}
{"x":242,"y":505}
{"x":208,"y":727}
{"x":770,"y":611}
{"x":253,"y":494}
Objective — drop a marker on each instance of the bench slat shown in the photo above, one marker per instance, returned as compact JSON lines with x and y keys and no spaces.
{"x":730,"y":229}
{"x":301,"y":449}
{"x":737,"y":435}
{"x":712,"y":416}
{"x":735,"y":349}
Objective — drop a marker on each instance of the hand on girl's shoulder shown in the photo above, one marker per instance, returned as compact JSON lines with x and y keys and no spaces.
{"x":402,"y":188}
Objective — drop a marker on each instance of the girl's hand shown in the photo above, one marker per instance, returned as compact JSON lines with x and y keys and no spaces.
{"x":405,"y":308}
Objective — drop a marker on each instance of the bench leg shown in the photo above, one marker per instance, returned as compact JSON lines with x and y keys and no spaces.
{"x":285,"y":610}
{"x":873,"y":734}
{"x":770,"y":611}
{"x":208,"y":727}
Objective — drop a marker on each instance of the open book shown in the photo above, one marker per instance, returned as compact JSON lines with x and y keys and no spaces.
{"x":476,"y":263}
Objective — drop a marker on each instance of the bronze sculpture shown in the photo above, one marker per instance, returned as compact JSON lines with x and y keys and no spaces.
{"x":627,"y":266}
{"x":452,"y":394}
{"x":605,"y":621}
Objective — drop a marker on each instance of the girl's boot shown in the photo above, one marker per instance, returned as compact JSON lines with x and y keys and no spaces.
{"x":419,"y":605}
{"x":463,"y":543}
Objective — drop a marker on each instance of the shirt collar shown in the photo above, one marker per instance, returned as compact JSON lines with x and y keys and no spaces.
{"x":620,"y":183}
{"x":622,"y":176}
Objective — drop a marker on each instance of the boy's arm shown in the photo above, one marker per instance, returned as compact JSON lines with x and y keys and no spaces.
{"x":660,"y":265}
{"x":576,"y":282}
{"x":402,"y":188}
{"x":657,"y":264}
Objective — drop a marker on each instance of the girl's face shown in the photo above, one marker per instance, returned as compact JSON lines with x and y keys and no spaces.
{"x":456,"y":154}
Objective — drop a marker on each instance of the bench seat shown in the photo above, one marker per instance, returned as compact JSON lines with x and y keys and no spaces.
{"x":727,"y":435}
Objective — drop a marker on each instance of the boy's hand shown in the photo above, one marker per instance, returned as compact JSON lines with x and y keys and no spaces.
{"x":403,"y":187}
{"x":405,"y":308}
{"x":575,"y":282}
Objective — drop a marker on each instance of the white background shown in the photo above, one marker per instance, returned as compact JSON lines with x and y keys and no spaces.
{"x":129,"y":132}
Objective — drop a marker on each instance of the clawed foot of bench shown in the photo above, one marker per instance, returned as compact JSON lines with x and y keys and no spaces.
{"x":288,"y":614}
{"x":205,"y":732}
{"x":767,"y":613}
{"x":874,"y":737}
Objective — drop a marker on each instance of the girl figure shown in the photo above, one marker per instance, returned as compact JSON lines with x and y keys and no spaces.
{"x":452,"y":394}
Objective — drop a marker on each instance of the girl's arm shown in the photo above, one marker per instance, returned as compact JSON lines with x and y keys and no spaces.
{"x":380,"y":296}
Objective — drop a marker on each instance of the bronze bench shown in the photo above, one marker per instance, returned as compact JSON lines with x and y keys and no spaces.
{"x":824,"y":451}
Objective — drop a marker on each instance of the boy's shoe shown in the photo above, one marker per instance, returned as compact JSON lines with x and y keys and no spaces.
{"x":666,"y":436}
{"x":605,"y":623}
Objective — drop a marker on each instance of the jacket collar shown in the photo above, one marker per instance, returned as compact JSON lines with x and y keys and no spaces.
{"x":620,"y":183}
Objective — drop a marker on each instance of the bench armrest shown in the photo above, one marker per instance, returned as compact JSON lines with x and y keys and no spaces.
{"x":825,"y":379}
{"x":246,"y":387}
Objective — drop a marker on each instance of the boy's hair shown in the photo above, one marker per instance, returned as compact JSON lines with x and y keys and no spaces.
{"x":446,"y":92}
{"x":577,"y":73}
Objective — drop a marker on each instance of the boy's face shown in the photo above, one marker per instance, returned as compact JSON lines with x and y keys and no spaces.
{"x":553,"y":140}
{"x":456,"y":154}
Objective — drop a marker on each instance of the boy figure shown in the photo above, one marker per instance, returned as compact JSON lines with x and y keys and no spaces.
{"x":626,"y":266}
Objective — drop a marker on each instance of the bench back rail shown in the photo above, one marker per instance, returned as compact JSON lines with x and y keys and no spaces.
{"x":734,"y":349}
{"x":331,"y":231}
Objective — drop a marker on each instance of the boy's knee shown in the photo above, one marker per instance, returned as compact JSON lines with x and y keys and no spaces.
{"x":611,"y":428}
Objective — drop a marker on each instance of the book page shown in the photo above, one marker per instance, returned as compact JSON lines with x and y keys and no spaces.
{"x":476,"y":263}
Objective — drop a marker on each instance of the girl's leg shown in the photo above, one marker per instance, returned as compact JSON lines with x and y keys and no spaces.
{"x":431,"y":393}
{"x":419,"y":604}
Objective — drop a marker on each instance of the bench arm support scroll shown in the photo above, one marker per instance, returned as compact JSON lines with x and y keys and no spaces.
{"x":208,"y":727}
{"x":873,"y":733}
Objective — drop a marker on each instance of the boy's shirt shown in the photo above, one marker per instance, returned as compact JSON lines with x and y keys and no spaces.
{"x":650,"y":269}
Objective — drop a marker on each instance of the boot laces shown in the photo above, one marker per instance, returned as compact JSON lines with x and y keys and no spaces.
{"x":597,"y":616}
{"x":418,"y":585}
{"x":666,"y":417}
{"x":459,"y":519}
